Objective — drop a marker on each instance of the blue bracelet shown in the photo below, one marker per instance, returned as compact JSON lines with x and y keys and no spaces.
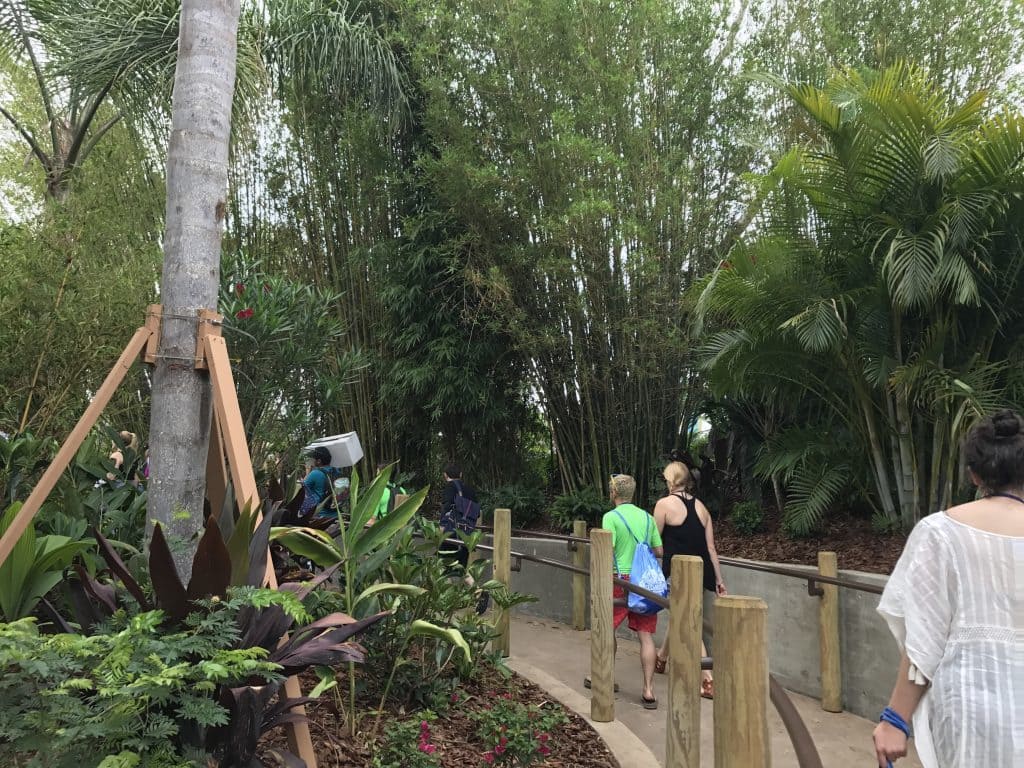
{"x":893,"y":718}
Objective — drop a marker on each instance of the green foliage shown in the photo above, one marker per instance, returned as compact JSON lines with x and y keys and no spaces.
{"x":36,"y":565}
{"x":407,"y":744}
{"x":85,"y":700}
{"x":890,"y":239}
{"x":587,"y":504}
{"x":747,"y":517}
{"x":76,"y":281}
{"x":516,"y":734}
{"x":22,"y":460}
{"x":526,"y":503}
{"x":290,"y":358}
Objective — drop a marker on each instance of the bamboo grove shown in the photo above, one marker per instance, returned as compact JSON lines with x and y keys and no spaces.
{"x":508,"y":219}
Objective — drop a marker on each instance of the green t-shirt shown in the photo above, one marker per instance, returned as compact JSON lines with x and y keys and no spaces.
{"x":624,"y":541}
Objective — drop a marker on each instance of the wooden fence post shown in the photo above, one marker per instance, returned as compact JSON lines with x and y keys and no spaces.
{"x":741,"y":683}
{"x":686,"y":621}
{"x":503,"y":573}
{"x":602,"y":633}
{"x":828,"y":629}
{"x":579,"y":584}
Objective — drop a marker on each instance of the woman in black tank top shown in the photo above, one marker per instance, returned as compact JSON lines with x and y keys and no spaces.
{"x":693,"y":534}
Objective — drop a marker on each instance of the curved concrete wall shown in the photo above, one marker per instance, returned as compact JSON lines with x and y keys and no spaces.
{"x":869,"y":653}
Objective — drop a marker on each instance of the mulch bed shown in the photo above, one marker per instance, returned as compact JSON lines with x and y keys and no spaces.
{"x":573,"y":745}
{"x":857,"y":546}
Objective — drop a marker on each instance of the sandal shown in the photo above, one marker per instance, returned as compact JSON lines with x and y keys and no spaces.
{"x":586,"y":684}
{"x":659,"y":665}
{"x":707,"y":689}
{"x":649,"y":703}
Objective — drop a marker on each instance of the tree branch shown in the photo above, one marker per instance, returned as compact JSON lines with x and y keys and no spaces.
{"x":51,"y":117}
{"x":83,"y":127}
{"x":89,"y":145}
{"x":36,"y":149}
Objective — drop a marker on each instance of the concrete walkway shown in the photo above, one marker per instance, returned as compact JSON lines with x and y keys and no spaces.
{"x":560,"y":658}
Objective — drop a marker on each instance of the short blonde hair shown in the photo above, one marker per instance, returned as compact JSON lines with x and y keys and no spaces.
{"x":622,"y":487}
{"x":677,"y":475}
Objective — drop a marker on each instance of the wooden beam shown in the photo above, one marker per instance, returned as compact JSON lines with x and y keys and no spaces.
{"x":73,"y":442}
{"x":741,"y":683}
{"x":828,"y":634}
{"x":154,"y":313}
{"x":225,"y":405}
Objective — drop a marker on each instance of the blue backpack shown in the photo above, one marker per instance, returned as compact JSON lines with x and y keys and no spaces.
{"x":646,"y":573}
{"x":462,"y":515}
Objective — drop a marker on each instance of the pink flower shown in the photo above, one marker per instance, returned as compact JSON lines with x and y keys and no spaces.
{"x":503,"y":740}
{"x":498,"y":750}
{"x":543,"y":738}
{"x":424,"y":726}
{"x":245,"y":314}
{"x":544,"y":750}
{"x":488,"y":757}
{"x":428,"y":748}
{"x":239,"y":288}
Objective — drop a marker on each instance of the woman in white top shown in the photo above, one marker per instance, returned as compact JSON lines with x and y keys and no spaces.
{"x":955,"y":603}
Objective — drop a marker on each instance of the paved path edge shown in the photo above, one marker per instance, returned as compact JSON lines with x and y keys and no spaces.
{"x":629,"y":750}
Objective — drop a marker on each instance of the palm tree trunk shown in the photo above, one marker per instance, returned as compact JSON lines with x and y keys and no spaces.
{"x":197,"y":177}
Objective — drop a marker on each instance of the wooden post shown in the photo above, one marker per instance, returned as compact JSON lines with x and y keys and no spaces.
{"x":602,"y":633}
{"x":232,"y":433}
{"x":73,"y":442}
{"x":579,"y":584}
{"x":828,"y":629}
{"x":502,"y":573}
{"x":741,"y":683}
{"x":686,"y":622}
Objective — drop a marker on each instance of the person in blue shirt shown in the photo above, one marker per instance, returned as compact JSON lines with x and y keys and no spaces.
{"x":317,"y":483}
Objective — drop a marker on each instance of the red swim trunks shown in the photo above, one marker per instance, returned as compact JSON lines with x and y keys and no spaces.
{"x":638,"y":622}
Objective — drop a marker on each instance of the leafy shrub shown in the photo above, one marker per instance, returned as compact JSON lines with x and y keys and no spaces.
{"x":407,"y":744}
{"x":525,"y":501}
{"x":515,"y":733}
{"x":587,"y":504}
{"x":747,"y":517}
{"x":127,"y":692}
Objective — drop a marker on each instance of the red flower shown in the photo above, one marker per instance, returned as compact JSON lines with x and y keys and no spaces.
{"x":544,"y":750}
{"x":244,"y":314}
{"x":488,"y":757}
{"x":499,"y":749}
{"x":428,"y":748}
{"x":543,"y":737}
{"x":503,"y":740}
{"x":239,"y":288}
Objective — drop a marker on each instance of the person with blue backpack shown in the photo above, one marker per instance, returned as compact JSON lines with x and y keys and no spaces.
{"x":460,"y":514}
{"x":318,"y":485}
{"x":632,"y":527}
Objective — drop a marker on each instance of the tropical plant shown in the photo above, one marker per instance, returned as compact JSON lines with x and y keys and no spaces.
{"x":588,"y":504}
{"x":747,"y":517}
{"x":517,"y":734}
{"x":525,"y":501}
{"x":883,"y":285}
{"x":291,"y":361}
{"x":35,"y":566}
{"x":233,"y":560}
{"x":22,"y":459}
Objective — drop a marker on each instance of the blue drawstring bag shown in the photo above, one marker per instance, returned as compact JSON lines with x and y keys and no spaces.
{"x":646,"y":573}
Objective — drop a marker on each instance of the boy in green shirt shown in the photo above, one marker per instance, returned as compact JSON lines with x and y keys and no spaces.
{"x":629,"y":525}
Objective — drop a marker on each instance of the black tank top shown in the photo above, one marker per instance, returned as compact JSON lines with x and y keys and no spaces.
{"x":687,"y":538}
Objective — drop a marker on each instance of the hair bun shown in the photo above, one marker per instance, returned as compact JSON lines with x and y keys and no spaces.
{"x":1005,"y":425}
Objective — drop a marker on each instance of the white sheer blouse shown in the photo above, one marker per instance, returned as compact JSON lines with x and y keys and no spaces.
{"x":955,"y":603}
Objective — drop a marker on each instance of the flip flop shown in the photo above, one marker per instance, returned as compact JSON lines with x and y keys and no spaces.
{"x":586,"y":684}
{"x":659,"y":666}
{"x":707,"y":689}
{"x":649,"y":703}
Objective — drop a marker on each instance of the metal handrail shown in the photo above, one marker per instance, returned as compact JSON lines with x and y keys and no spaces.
{"x":803,"y":743}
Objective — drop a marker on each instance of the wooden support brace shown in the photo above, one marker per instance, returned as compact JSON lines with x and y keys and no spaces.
{"x":73,"y":442}
{"x":229,"y":416}
{"x":154,"y":314}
